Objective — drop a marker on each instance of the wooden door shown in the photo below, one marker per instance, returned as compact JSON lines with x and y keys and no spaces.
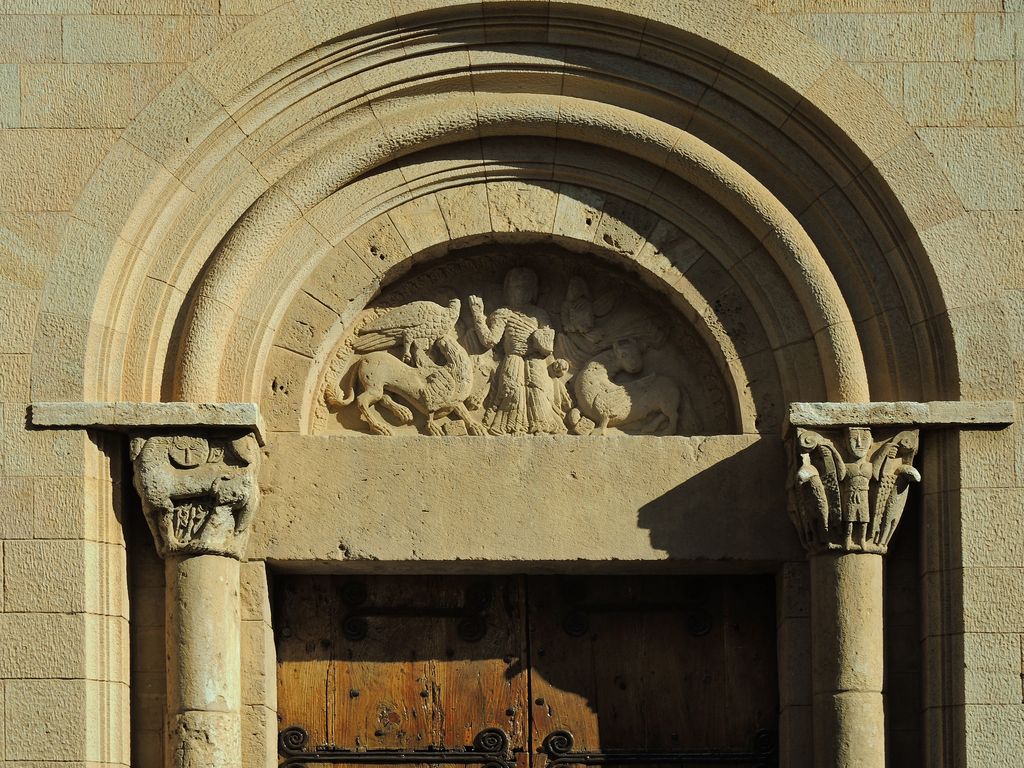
{"x":526,"y":671}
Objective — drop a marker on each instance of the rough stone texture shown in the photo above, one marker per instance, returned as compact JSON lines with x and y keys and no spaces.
{"x":705,"y":502}
{"x":134,"y":115}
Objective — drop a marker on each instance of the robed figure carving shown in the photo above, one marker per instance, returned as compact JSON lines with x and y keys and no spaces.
{"x":524,"y":395}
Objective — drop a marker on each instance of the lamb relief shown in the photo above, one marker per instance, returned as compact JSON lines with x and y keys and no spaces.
{"x":525,"y":353}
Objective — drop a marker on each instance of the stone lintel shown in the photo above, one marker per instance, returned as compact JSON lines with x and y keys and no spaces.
{"x":522,"y":502}
{"x":134,"y":417}
{"x":936,"y":414}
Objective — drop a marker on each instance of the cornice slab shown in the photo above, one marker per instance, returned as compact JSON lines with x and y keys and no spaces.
{"x":133,"y":417}
{"x":935,"y":414}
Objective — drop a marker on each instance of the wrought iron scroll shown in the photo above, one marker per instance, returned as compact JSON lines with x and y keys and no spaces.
{"x":472,"y":615}
{"x":490,"y":750}
{"x":558,"y":748}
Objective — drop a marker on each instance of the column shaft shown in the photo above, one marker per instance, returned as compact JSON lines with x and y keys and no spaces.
{"x":847,"y":660}
{"x":203,"y":668}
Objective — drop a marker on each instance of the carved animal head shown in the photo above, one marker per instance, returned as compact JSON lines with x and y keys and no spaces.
{"x":454,"y":308}
{"x":629,"y":354}
{"x":232,"y":490}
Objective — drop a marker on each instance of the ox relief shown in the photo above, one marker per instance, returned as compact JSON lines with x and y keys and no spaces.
{"x":519,"y":351}
{"x":198,"y":491}
{"x":849,"y":490}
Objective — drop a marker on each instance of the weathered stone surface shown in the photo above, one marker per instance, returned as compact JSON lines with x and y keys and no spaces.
{"x":125,"y":417}
{"x":884,"y":120}
{"x":417,"y":498}
{"x":198,"y":489}
{"x":938,"y":414}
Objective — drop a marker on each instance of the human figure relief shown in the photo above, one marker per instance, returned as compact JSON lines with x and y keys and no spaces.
{"x":860,"y":473}
{"x":523,"y":397}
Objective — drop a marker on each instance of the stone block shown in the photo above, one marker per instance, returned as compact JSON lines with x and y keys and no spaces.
{"x":992,"y":527}
{"x":928,"y":198}
{"x":992,"y":668}
{"x":30,"y":38}
{"x":259,"y":664}
{"x":124,"y":38}
{"x":46,"y":169}
{"x":465,"y":212}
{"x":886,"y":77}
{"x":77,"y":95}
{"x":895,"y":37}
{"x":15,"y":508}
{"x":994,"y":734}
{"x":259,"y":737}
{"x":846,"y":99}
{"x":18,"y":309}
{"x":284,"y":388}
{"x":998,"y":36}
{"x":380,"y":246}
{"x":232,"y":66}
{"x":342,"y":281}
{"x":178,"y":121}
{"x":420,"y":223}
{"x":41,"y":645}
{"x":794,"y":652}
{"x":793,"y":593}
{"x":988,"y":459}
{"x":305,"y":324}
{"x":796,"y":737}
{"x":255,"y":592}
{"x":48,"y":723}
{"x":10,"y":96}
{"x":518,"y":206}
{"x":14,"y":378}
{"x":48,"y":576}
{"x":646,"y":517}
{"x":962,"y":94}
{"x":993,"y":599}
{"x":58,"y":366}
{"x":981,"y":163}
{"x":986,"y":371}
{"x":154,"y":7}
{"x":59,"y":510}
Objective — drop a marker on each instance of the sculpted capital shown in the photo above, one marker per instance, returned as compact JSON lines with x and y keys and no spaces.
{"x":198,"y":488}
{"x":849,"y":489}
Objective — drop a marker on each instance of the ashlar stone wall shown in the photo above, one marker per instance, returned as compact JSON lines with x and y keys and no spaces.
{"x":74,"y":76}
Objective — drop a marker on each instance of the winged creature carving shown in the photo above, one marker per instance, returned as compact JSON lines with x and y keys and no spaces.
{"x":414,"y":326}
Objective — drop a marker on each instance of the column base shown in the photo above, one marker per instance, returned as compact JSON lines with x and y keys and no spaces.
{"x":204,"y":740}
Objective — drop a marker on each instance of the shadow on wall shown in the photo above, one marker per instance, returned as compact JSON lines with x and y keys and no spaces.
{"x":749,"y":487}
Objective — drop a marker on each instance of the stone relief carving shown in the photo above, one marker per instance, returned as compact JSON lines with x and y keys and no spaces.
{"x":503,"y":347}
{"x":849,"y":490}
{"x":198,"y":491}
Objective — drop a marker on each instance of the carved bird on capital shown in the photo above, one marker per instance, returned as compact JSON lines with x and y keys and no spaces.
{"x":414,"y":326}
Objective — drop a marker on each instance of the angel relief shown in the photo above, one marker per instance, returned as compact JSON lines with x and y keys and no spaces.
{"x":518,"y":351}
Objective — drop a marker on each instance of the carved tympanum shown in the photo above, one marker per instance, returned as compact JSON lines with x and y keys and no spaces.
{"x":850,"y":490}
{"x":502,"y":348}
{"x":198,"y":490}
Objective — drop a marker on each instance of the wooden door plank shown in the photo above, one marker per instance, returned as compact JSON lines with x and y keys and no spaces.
{"x":414,"y":681}
{"x":638,"y":677}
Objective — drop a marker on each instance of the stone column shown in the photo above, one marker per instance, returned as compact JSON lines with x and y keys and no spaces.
{"x":199,"y":493}
{"x":849,"y":491}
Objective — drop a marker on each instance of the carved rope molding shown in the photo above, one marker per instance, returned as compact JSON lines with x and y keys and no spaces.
{"x":194,"y":465}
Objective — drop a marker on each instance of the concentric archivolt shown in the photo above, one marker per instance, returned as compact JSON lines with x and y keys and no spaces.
{"x":257,"y":223}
